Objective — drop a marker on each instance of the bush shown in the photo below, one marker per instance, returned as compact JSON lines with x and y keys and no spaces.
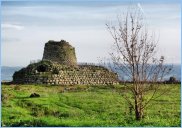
{"x":172,"y":79}
{"x":55,"y":71}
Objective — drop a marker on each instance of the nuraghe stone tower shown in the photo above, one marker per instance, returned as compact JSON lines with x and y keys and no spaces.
{"x":61,"y":52}
{"x":59,"y":67}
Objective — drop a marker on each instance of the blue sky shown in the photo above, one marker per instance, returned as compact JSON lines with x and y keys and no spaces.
{"x":27,"y":26}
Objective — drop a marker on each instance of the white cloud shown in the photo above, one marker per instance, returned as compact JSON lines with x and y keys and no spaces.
{"x":83,"y":27}
{"x":11,"y":26}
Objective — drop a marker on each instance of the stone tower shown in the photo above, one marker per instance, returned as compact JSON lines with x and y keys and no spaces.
{"x":61,"y":52}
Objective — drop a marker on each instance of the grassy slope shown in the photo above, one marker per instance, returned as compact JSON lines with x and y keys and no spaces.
{"x":95,"y":106}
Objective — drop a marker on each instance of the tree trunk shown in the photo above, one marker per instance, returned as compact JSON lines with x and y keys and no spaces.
{"x":137,"y":115}
{"x":138,"y":110}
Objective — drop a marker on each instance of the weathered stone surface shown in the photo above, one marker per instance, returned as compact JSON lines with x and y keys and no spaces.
{"x":86,"y":75}
{"x":34,"y":95}
{"x":61,"y":52}
{"x":58,"y":68}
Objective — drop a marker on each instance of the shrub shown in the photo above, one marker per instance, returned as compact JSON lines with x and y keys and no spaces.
{"x":55,"y":71}
{"x":172,"y":79}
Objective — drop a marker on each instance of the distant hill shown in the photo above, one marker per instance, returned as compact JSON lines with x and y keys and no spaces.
{"x":176,"y":72}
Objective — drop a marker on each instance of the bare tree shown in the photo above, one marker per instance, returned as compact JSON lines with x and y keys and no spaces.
{"x":134,"y":56}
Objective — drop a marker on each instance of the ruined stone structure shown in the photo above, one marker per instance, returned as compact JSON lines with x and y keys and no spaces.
{"x":59,"y":67}
{"x":61,"y":52}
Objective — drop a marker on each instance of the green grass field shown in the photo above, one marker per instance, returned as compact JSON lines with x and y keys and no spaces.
{"x":83,"y":106}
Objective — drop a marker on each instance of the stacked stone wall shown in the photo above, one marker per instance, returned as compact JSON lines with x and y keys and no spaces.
{"x":84,"y":75}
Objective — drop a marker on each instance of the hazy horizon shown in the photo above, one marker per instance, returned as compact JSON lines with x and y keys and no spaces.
{"x":27,"y":26}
